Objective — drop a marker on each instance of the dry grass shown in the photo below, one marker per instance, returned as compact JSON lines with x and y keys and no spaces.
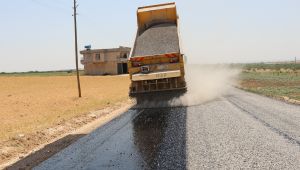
{"x":29,"y":104}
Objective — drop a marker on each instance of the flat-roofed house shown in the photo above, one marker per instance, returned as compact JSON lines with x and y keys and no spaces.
{"x":111,"y":61}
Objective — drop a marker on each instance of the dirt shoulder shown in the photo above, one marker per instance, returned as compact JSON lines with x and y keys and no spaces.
{"x":25,"y":152}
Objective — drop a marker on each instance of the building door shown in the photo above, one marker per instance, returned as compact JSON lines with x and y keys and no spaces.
{"x":125,"y":68}
{"x":120,"y":68}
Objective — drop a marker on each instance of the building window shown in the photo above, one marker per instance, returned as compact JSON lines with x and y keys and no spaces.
{"x":97,"y":57}
{"x":125,"y":56}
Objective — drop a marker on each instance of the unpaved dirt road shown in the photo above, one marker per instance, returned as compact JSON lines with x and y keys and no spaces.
{"x":238,"y":130}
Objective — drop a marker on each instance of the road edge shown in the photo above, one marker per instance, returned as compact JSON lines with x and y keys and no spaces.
{"x":84,"y":129}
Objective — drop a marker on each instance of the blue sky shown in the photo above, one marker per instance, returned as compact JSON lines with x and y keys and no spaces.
{"x":38,"y":34}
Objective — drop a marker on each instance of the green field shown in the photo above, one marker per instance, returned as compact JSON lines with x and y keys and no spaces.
{"x":291,"y":66}
{"x":279,"y":81}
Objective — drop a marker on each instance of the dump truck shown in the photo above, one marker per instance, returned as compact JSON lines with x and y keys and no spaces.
{"x":156,"y":62}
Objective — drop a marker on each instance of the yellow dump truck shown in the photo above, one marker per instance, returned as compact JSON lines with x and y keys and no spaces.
{"x":156,"y":62}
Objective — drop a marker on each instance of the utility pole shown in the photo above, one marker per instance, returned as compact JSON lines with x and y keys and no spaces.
{"x":76,"y":48}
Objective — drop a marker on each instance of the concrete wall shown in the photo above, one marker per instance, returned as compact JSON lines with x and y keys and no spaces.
{"x":101,"y":68}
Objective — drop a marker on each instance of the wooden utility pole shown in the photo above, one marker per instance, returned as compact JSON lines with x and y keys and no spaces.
{"x":76,"y":48}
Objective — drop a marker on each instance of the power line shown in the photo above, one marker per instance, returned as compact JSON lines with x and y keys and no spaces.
{"x":50,"y":6}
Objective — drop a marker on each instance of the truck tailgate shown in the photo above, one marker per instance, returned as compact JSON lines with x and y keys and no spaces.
{"x":156,"y":75}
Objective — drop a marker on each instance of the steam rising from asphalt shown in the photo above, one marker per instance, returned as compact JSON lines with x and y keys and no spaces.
{"x":205,"y":83}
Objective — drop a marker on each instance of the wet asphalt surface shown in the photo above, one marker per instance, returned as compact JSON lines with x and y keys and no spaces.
{"x":239,"y":130}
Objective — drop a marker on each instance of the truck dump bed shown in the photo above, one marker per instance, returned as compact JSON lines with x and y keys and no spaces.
{"x":158,"y":39}
{"x":156,"y":62}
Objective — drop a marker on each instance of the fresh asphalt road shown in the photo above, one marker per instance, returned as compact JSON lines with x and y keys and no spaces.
{"x":238,"y":130}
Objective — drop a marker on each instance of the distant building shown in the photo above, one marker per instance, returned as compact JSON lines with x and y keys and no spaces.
{"x":105,"y":61}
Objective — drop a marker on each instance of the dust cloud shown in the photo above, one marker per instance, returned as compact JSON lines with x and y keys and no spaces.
{"x":205,"y":83}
